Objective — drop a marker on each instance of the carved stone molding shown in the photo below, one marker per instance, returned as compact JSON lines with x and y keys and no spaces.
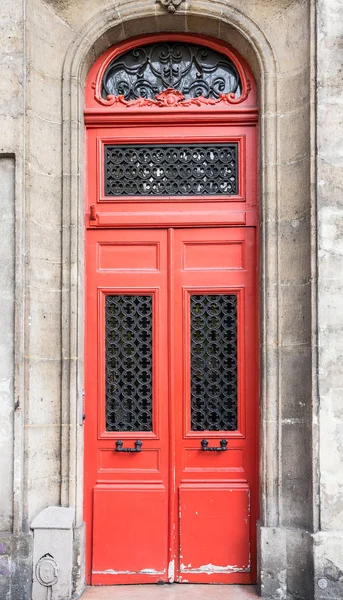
{"x":171,"y":5}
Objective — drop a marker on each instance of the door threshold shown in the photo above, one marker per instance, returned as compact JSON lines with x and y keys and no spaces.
{"x":174,"y":591}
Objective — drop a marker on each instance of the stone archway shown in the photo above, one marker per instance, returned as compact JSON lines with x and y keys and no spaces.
{"x":284,"y":174}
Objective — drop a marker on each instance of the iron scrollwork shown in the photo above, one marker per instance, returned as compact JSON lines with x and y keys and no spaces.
{"x":147,"y":71}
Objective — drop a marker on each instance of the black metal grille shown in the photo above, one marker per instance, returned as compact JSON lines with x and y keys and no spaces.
{"x":171,"y":170}
{"x":214,"y":362}
{"x":194,"y":70}
{"x":128,"y":363}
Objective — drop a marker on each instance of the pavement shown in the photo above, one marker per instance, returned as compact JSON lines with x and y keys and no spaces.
{"x":171,"y":592}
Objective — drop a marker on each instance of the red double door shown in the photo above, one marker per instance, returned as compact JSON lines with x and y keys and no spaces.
{"x":171,"y":405}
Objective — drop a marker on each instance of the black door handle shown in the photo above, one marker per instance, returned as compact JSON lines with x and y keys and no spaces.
{"x":137,"y":448}
{"x":206,"y":448}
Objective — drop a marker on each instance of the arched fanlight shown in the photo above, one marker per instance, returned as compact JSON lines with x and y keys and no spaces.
{"x":193,"y":70}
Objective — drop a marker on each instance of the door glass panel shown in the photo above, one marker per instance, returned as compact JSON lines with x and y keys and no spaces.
{"x":171,"y":170}
{"x":128,"y":325}
{"x":213,"y":362}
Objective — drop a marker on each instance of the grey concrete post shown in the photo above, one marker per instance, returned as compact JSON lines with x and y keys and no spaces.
{"x":53,"y":554}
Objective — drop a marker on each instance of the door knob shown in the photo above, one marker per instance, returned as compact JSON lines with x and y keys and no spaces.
{"x":206,"y":448}
{"x":137,"y":448}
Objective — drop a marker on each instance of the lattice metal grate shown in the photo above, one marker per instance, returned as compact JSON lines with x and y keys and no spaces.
{"x":128,"y":363}
{"x":214,"y":362}
{"x":171,"y":170}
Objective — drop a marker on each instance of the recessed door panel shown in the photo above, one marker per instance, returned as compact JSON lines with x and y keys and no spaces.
{"x":214,"y":533}
{"x":130,"y":529}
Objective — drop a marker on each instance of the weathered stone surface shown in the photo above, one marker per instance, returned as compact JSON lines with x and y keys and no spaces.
{"x":327,"y":557}
{"x":79,"y":566}
{"x":15,"y":566}
{"x":53,"y":553}
{"x":7,"y":196}
{"x":272,"y":566}
{"x":328,"y":565}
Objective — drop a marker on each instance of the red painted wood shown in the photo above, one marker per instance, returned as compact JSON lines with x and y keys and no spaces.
{"x":130,"y":531}
{"x":163,"y":211}
{"x":221,"y":479}
{"x":214,"y":533}
{"x":148,"y":514}
{"x":126,"y":495}
{"x":132,"y":499}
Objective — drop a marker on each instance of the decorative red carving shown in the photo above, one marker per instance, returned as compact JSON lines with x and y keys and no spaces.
{"x":169,"y":97}
{"x":173,"y":98}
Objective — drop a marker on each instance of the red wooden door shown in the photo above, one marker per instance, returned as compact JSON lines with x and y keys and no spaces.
{"x":171,"y":372}
{"x":127,"y":390}
{"x":214,"y":349}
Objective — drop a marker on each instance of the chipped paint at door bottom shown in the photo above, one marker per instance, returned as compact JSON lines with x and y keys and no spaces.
{"x":209,"y":569}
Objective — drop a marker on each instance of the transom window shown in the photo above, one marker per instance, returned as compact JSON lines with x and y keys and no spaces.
{"x":171,"y":170}
{"x":193,"y":70}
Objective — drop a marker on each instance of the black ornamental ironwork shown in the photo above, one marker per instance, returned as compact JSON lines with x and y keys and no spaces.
{"x":195,"y":71}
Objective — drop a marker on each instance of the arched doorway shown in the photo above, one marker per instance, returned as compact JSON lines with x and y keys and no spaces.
{"x":171,"y":453}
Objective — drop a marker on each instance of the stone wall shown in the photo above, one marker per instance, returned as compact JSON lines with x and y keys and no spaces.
{"x":44,"y":66}
{"x":328,"y":540}
{"x":15,"y":546}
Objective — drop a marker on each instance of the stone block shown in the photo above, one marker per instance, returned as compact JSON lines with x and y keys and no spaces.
{"x":44,"y":145}
{"x":299,"y":564}
{"x":295,"y":255}
{"x":43,"y":483}
{"x":295,"y":323}
{"x":289,"y":33}
{"x":295,"y":135}
{"x":294,"y":89}
{"x":328,"y":565}
{"x":45,"y":388}
{"x":296,"y":471}
{"x":53,"y":553}
{"x":45,"y":333}
{"x":296,"y":382}
{"x":272,"y":562}
{"x":295,"y":190}
{"x":79,"y":566}
{"x":48,"y":37}
{"x":15,"y":566}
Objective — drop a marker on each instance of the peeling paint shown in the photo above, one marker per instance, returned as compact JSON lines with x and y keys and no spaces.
{"x":171,"y":571}
{"x":209,"y":569}
{"x":142,"y":572}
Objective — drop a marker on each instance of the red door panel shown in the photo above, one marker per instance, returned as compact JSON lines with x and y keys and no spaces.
{"x":130,"y":528}
{"x":214,"y":532}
